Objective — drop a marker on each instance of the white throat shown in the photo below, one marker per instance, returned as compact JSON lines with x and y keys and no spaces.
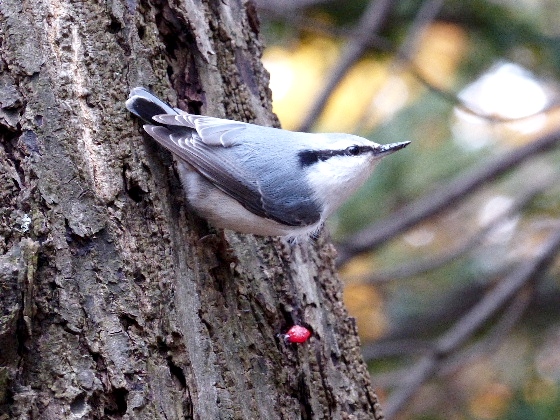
{"x":336,"y":179}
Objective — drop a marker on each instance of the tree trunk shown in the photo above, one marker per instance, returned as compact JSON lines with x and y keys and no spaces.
{"x":117,"y":301}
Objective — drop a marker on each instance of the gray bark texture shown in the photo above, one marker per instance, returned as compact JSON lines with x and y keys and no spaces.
{"x":117,"y":302}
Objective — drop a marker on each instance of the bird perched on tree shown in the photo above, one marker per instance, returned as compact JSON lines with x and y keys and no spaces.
{"x":259,"y":180}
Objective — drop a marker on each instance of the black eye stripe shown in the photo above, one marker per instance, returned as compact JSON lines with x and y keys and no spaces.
{"x":353,"y":151}
{"x":309,"y":157}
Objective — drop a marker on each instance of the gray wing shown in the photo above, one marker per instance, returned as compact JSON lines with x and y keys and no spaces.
{"x":205,"y":151}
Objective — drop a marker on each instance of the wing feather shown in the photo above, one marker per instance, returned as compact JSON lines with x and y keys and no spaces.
{"x":212,"y":131}
{"x":225,"y":175}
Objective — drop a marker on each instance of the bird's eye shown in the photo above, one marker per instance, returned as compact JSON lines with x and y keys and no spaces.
{"x":353,"y":151}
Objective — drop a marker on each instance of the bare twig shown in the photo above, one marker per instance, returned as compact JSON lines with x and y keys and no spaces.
{"x":443,"y":197}
{"x":530,"y":271}
{"x":403,"y":55}
{"x":414,"y":268}
{"x":500,"y":330}
{"x":281,"y":7}
{"x":402,"y":58}
{"x":410,"y":331}
{"x":369,"y":24}
{"x":425,"y":16}
{"x":464,"y":106}
{"x":511,"y":316}
{"x":393,"y":348}
{"x":316,"y":26}
{"x":365,"y":36}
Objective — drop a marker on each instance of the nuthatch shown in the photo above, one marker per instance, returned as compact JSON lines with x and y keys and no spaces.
{"x":259,"y":180}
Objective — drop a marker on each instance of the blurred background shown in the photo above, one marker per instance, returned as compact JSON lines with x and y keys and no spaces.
{"x":449,"y":253}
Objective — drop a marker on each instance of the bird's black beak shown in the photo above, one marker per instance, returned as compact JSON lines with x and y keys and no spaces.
{"x":386,"y":149}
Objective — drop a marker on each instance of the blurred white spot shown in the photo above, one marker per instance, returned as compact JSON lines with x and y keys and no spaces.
{"x":497,"y":208}
{"x":392,"y":97}
{"x":419,"y":237}
{"x":504,"y":230}
{"x":471,"y":132}
{"x":507,"y":90}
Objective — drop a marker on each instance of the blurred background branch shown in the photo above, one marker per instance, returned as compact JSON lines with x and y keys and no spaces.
{"x":370,"y":22}
{"x":432,"y":262}
{"x":428,"y":247}
{"x":480,"y":313}
{"x":441,"y":198}
{"x":281,"y":7}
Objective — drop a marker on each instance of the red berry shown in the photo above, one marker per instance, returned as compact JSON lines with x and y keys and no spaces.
{"x":297,"y":334}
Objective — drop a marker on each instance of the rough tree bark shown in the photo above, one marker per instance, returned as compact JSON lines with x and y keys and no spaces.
{"x":115,"y":301}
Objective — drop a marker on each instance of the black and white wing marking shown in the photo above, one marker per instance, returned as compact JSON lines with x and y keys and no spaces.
{"x":205,"y":149}
{"x":212,"y":131}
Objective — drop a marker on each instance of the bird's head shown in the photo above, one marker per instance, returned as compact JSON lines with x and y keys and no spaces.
{"x":336,"y":165}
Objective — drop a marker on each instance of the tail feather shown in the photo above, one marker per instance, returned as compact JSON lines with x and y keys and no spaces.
{"x":145,"y":105}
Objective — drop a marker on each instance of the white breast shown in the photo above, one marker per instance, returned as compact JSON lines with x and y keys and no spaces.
{"x":336,"y":179}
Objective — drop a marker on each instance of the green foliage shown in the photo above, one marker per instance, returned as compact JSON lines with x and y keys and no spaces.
{"x":521,"y":409}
